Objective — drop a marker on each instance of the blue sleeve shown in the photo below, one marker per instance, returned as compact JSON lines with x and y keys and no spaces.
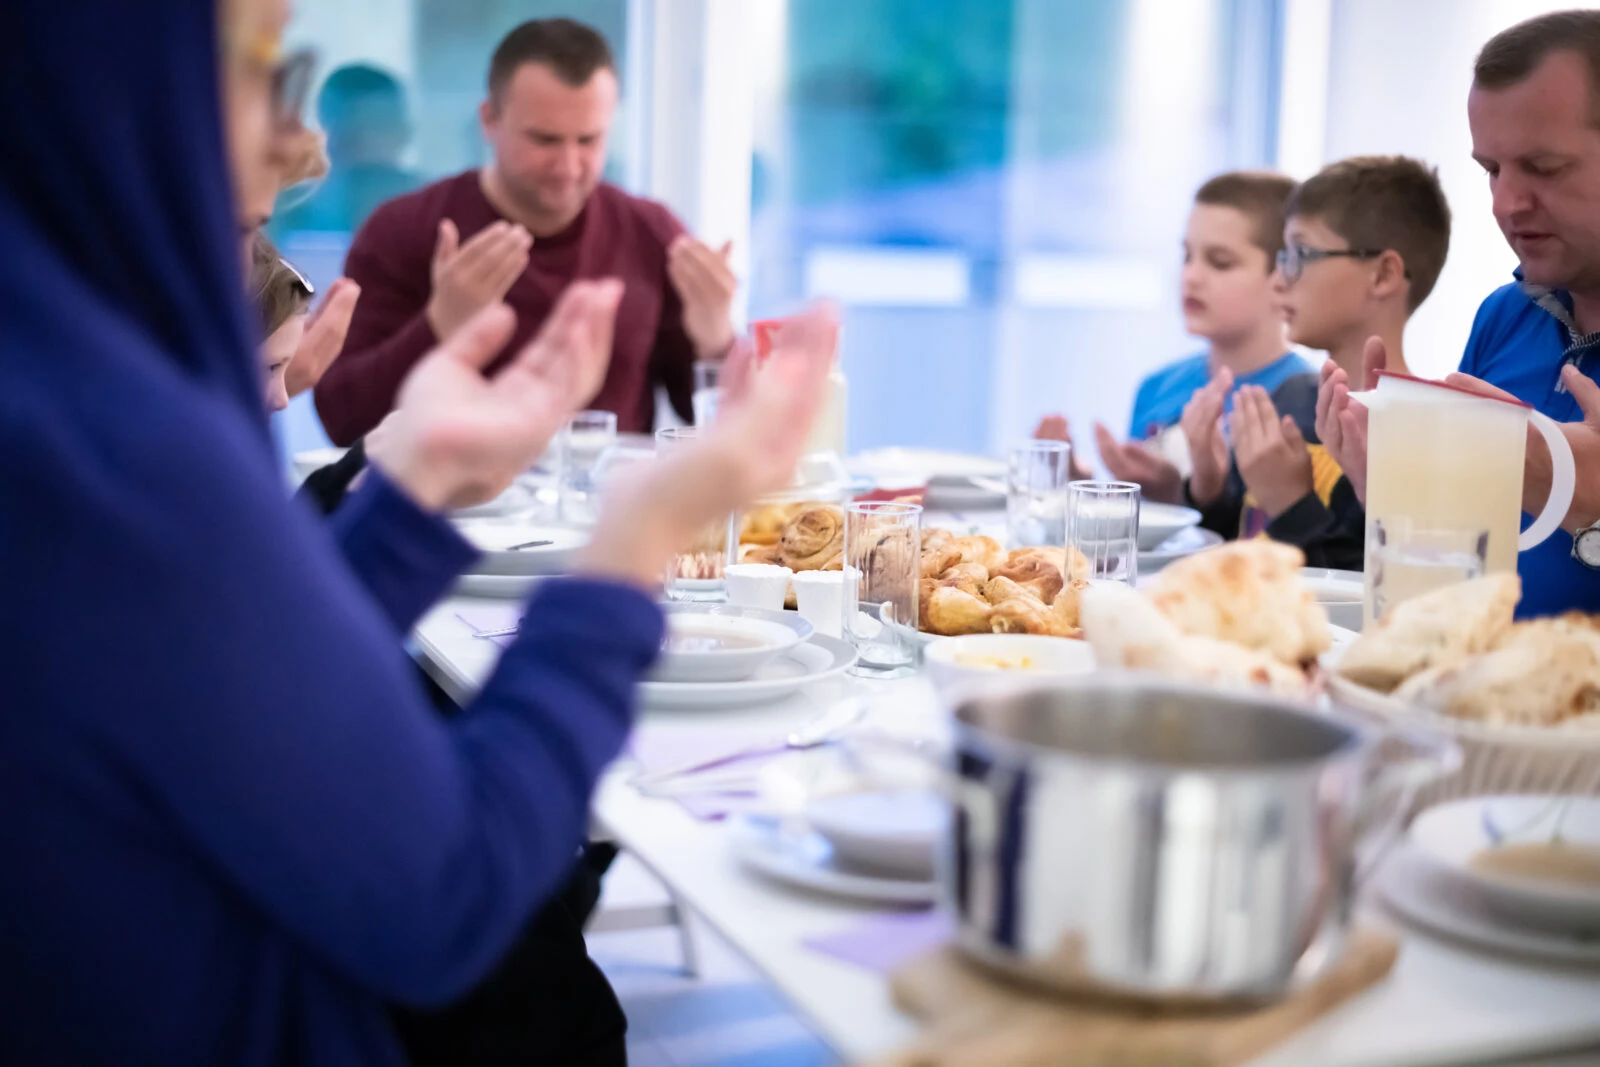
{"x":1139,"y":421}
{"x":406,"y":557}
{"x":250,"y":702}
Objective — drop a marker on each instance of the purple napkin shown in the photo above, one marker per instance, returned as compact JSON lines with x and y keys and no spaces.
{"x":884,"y":942}
{"x":725,"y":750}
{"x":478,"y":617}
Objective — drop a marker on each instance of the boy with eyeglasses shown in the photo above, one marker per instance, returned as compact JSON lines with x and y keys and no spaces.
{"x":1364,"y":242}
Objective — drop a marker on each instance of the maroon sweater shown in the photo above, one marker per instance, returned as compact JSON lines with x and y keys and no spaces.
{"x":616,"y":235}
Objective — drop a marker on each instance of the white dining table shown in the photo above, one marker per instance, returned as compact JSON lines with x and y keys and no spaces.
{"x":1444,"y":1003}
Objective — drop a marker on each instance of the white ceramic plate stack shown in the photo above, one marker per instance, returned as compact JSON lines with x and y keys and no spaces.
{"x":515,"y":552}
{"x":776,"y":653}
{"x":1439,"y":878}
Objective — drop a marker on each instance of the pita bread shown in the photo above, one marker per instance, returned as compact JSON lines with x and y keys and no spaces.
{"x":1127,"y":631}
{"x":1437,"y":630}
{"x":1540,"y":682}
{"x":1246,"y":593}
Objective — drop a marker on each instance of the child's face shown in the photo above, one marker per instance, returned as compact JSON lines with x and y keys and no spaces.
{"x":1329,"y":299}
{"x":276,"y":352}
{"x":1227,"y":282}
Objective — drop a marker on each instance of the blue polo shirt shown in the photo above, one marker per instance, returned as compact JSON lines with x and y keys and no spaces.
{"x":1523,"y":335}
{"x":1161,"y":397}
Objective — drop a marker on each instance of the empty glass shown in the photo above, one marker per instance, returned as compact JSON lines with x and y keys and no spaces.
{"x":696,"y":573}
{"x":1036,"y":494}
{"x":1103,"y":524}
{"x":882,"y":557}
{"x":579,"y":447}
{"x":1407,"y":560}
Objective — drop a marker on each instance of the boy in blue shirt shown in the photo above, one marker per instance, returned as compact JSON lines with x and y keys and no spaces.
{"x":1229,"y":248}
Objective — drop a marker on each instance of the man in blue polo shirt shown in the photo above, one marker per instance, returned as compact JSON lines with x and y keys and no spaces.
{"x":1534,"y":110}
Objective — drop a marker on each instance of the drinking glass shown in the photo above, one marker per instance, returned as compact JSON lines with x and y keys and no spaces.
{"x":1408,"y":560}
{"x":1036,"y":494}
{"x":707,"y":392}
{"x":579,"y":447}
{"x":696,"y":573}
{"x":882,"y":558}
{"x":1103,"y":524}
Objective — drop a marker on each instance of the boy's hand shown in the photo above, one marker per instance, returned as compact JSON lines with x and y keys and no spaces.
{"x":1055,"y":428}
{"x":1271,"y":452}
{"x":1208,"y":449}
{"x":1342,"y":422}
{"x":1157,"y":479}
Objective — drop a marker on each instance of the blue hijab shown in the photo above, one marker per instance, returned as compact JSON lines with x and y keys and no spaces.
{"x":116,"y":212}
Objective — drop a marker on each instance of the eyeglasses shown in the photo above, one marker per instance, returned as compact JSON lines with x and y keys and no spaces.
{"x":291,"y":87}
{"x":1293,"y":259}
{"x":300,"y":279}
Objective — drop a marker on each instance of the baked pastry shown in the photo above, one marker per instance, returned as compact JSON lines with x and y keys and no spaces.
{"x":953,"y":612}
{"x":935,"y":539}
{"x":936,"y":561}
{"x":982,"y":550}
{"x":1437,"y":630}
{"x":1034,"y":572}
{"x":1129,"y":632}
{"x":1526,"y":684}
{"x":999,"y":589}
{"x":1026,"y":615}
{"x":814,"y":540}
{"x":764,"y":525}
{"x":1068,"y":606}
{"x":761,"y":554}
{"x":970,"y":578}
{"x":1246,"y":593}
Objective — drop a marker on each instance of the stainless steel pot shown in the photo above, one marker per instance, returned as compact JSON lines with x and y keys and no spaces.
{"x":1119,"y":835}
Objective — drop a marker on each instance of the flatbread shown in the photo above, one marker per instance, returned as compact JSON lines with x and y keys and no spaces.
{"x":1435,"y":631}
{"x":1246,"y":593}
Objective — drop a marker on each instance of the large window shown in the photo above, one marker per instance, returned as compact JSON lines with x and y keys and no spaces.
{"x":996,"y":192}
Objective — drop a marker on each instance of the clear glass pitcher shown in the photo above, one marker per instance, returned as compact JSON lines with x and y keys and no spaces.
{"x":1442,"y":458}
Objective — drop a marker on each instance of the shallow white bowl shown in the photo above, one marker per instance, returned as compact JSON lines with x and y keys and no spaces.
{"x":1158,"y":522}
{"x":894,"y":831}
{"x":977,"y":658}
{"x":763,"y":636}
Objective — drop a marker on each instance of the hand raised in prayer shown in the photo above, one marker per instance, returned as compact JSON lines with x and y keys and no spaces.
{"x":324,"y":337}
{"x":1135,"y":462}
{"x":1271,"y":452}
{"x":762,"y":425}
{"x":706,"y":285}
{"x":1342,"y":422}
{"x":1208,"y":449}
{"x":1055,"y":428}
{"x":457,"y":438}
{"x":470,"y":277}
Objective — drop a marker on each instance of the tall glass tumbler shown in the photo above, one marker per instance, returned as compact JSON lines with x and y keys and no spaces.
{"x":1103,"y":524}
{"x":882,"y":557}
{"x":696,"y":572}
{"x":1036,"y":494}
{"x":579,"y":446}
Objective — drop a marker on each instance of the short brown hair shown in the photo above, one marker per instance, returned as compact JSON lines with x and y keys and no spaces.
{"x":1383,"y":202}
{"x":1260,"y":195}
{"x":575,"y":52}
{"x":1511,"y":55}
{"x":277,"y":290}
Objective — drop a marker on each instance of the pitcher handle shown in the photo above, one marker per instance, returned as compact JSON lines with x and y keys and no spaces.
{"x":1563,"y":481}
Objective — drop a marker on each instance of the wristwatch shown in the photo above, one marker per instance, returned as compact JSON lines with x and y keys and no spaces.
{"x":1586,"y":546}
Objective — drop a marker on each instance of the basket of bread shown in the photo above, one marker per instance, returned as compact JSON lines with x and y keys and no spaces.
{"x":1521,"y":698}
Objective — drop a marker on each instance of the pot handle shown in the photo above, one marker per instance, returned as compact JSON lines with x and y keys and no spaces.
{"x":1408,"y":759}
{"x":1563,"y":481}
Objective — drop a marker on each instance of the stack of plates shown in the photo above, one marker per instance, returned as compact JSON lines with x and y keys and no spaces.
{"x":516,"y":551}
{"x":1513,"y":874}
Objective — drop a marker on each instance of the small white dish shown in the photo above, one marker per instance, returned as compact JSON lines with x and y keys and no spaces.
{"x":1460,"y":837}
{"x":758,"y":585}
{"x":811,"y":661}
{"x":724,"y":643}
{"x":978,"y":658}
{"x":1414,"y":889}
{"x":1158,"y":523}
{"x":819,"y":595}
{"x":1342,"y":594}
{"x":893,"y":832}
{"x":1185,"y":542}
{"x":498,"y":539}
{"x":807,"y":861}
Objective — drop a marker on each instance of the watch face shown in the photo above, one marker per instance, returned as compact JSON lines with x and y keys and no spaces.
{"x":1587,"y":547}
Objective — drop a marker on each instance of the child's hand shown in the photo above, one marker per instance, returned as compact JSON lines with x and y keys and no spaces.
{"x":1272,"y":454}
{"x":1055,"y":428}
{"x":1208,"y":449}
{"x":1158,"y":479}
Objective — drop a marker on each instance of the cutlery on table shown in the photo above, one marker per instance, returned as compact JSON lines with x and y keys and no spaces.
{"x":824,"y":729}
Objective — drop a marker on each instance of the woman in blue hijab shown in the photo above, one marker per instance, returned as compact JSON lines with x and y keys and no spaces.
{"x":233,"y":829}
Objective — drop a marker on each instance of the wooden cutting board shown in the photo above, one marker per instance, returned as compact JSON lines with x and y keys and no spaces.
{"x":975,"y":1019}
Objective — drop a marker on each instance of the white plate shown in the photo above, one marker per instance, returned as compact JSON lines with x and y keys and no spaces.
{"x":1451,"y":835}
{"x":1341,"y":593}
{"x":892,"y":832}
{"x":517,"y":499}
{"x":811,"y":661}
{"x":1185,"y":542}
{"x":807,"y":860}
{"x":772,"y":633}
{"x":1159,"y":523}
{"x":1051,"y":657}
{"x":1417,"y":893}
{"x":494,"y":536}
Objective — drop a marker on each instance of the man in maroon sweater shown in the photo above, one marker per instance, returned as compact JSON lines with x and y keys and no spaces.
{"x":520,"y":230}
